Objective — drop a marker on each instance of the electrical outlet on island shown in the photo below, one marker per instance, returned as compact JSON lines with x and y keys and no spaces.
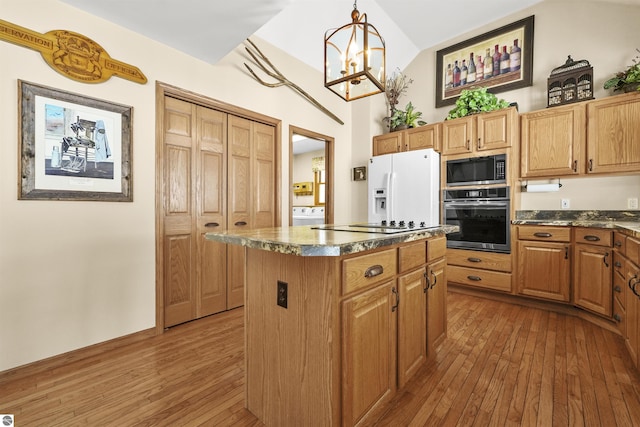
{"x":565,"y":204}
{"x":632,"y":203}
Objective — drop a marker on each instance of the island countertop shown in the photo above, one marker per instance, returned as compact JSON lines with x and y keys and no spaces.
{"x":303,"y":240}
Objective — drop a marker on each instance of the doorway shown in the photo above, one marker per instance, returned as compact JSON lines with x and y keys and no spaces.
{"x":310,"y":177}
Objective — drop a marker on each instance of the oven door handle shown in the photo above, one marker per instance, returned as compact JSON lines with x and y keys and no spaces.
{"x":477,"y":203}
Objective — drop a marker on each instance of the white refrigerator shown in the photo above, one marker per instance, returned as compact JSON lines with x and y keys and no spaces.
{"x":405,"y":187}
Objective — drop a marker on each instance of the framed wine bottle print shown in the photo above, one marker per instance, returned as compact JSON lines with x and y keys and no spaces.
{"x":499,"y":60}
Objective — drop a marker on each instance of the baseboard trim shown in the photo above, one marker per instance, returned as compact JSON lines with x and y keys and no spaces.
{"x":53,"y":362}
{"x":570,"y":310}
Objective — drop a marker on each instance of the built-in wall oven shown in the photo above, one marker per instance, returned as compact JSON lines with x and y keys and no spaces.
{"x":483,"y":217}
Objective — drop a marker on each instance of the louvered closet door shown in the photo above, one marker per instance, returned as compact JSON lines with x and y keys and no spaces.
{"x":193,"y":201}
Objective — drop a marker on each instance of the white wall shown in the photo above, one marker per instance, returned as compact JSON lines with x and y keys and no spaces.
{"x":605,"y":34}
{"x":64,"y":290}
{"x":66,"y":287}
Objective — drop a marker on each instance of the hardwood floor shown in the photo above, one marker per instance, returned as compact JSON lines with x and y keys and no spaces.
{"x":501,"y":365}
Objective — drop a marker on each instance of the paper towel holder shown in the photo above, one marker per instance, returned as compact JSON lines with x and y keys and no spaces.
{"x":540,"y":188}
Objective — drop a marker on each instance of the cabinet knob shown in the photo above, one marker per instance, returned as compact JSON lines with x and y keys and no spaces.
{"x":617,"y":289}
{"x":617,"y":318}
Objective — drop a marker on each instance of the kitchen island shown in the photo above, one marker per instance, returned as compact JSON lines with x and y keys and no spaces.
{"x":337,"y":321}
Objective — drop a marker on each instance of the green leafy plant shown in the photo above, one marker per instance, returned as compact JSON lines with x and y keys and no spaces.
{"x":627,"y":77}
{"x":409,"y":118}
{"x":474,"y":101}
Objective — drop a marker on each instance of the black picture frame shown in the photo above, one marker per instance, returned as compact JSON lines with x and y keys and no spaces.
{"x":73,"y":147}
{"x":522,"y":30}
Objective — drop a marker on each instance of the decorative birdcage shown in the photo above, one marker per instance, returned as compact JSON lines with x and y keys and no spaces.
{"x":571,"y":82}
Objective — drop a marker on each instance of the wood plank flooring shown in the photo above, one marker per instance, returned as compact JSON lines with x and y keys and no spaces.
{"x":501,"y":365}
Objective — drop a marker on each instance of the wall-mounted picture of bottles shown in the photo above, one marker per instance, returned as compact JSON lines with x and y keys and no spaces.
{"x":500,"y":60}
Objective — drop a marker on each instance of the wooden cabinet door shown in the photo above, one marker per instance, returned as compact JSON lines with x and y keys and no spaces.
{"x":387,"y":143}
{"x":553,"y":142}
{"x":544,"y":270}
{"x":613,"y":139}
{"x":458,"y":135}
{"x":496,"y":129}
{"x":427,"y":136}
{"x":592,"y":278}
{"x":412,"y":324}
{"x":436,"y":305}
{"x":368,"y":352}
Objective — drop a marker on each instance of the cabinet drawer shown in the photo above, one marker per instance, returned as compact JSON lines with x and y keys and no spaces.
{"x":619,"y":264}
{"x":620,"y":242}
{"x":436,"y":248}
{"x":594,"y":236}
{"x":619,"y":316}
{"x":412,"y":256}
{"x":367,"y":270}
{"x":544,"y":233}
{"x":477,"y":259}
{"x":479,"y":278}
{"x":619,"y":291}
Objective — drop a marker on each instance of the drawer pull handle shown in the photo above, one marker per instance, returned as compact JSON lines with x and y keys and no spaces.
{"x":617,"y":318}
{"x":427,"y":282}
{"x":373,"y":271}
{"x":240,"y":223}
{"x":540,"y":234}
{"x":435,"y":280}
{"x":617,"y":289}
{"x":575,"y":166}
{"x":566,"y":252}
{"x":474,"y":259}
{"x":591,"y":238}
{"x":212,"y":224}
{"x":395,"y":307}
{"x":633,"y":286}
{"x":606,"y":255}
{"x":474,"y":278}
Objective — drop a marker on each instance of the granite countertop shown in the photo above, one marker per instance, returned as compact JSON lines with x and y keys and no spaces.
{"x":303,"y":240}
{"x":627,"y":222}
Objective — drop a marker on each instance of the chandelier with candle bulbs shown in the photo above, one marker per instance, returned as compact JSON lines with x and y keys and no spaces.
{"x":354,"y":57}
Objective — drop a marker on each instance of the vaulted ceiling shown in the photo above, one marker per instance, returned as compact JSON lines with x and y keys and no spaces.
{"x":210,"y":29}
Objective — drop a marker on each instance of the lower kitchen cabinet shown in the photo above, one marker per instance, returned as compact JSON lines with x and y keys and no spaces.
{"x":592,"y":288}
{"x":544,"y":262}
{"x":369,"y":351}
{"x":627,"y":298}
{"x":436,"y":304}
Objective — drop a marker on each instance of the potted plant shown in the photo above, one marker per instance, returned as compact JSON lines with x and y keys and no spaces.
{"x":397,"y":85}
{"x":627,"y":80}
{"x":405,"y":119}
{"x":474,"y":101}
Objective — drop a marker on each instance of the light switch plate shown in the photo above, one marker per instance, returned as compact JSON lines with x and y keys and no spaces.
{"x":632,"y":203}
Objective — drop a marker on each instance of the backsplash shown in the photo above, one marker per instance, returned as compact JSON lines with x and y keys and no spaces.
{"x":570,"y":215}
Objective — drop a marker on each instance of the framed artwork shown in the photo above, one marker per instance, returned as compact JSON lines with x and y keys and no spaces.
{"x":499,"y":60}
{"x":360,"y":173}
{"x":72,"y":147}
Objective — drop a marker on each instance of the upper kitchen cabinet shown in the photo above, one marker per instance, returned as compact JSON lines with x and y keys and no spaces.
{"x":592,"y":137}
{"x":613,"y":134}
{"x":481,"y":132}
{"x":552,"y":141}
{"x":427,"y":136}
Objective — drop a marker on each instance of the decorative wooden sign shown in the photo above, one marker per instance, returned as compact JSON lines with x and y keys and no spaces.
{"x":71,"y":54}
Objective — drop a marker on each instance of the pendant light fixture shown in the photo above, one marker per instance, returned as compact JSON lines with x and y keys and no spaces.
{"x":354,"y":59}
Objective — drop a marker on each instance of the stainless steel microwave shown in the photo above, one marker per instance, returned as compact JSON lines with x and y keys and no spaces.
{"x":477,"y":170}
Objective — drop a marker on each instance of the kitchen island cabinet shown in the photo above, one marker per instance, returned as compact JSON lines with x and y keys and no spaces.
{"x":333,"y":319}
